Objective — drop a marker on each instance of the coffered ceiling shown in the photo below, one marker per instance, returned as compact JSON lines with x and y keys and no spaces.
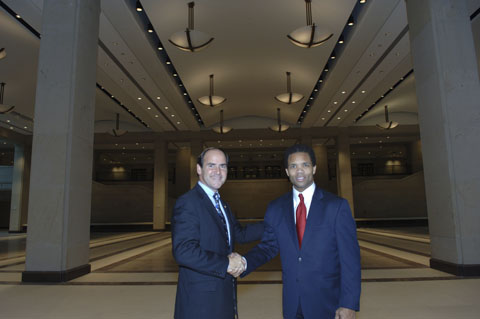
{"x":249,"y":57}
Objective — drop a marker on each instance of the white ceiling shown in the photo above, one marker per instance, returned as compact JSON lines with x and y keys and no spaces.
{"x":249,"y":57}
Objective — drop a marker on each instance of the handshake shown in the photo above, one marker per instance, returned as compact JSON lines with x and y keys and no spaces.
{"x":236,"y":265}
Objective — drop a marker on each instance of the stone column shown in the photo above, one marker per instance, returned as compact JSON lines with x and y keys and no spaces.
{"x":344,"y":168}
{"x":160,"y":185}
{"x":61,"y":175}
{"x":196,"y":147}
{"x":321,"y":174}
{"x":182,"y":171}
{"x":17,"y":190}
{"x":448,"y":92}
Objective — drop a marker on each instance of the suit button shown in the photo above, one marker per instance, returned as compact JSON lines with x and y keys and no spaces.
{"x":299,"y":259}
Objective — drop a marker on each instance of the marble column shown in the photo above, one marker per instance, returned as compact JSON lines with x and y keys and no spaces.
{"x":61,"y":173}
{"x":321,"y":174}
{"x":196,"y":147}
{"x":448,"y":91}
{"x":160,"y":185}
{"x":344,"y":168}
{"x":17,"y":190}
{"x":182,"y":171}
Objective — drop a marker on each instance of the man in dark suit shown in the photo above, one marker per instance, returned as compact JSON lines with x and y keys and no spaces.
{"x":204,"y":232}
{"x":316,"y":236}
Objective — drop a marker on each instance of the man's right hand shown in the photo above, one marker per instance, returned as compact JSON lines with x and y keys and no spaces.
{"x":236,"y":265}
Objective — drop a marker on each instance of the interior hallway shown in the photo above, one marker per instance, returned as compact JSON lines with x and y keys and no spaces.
{"x":134,"y":276}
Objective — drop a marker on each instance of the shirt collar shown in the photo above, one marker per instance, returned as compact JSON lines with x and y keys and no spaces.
{"x":207,"y":189}
{"x":307,"y":193}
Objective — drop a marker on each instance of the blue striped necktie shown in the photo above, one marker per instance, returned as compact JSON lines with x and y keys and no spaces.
{"x":216,"y":196}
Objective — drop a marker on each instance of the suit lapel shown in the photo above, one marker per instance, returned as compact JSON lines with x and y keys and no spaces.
{"x":315,"y":214}
{"x":288,"y":212}
{"x":206,"y":202}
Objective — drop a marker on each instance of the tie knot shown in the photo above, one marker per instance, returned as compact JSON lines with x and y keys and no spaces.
{"x":216,"y":196}
{"x":301,"y":197}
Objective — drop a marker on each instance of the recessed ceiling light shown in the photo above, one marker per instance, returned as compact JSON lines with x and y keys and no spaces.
{"x":353,"y":102}
{"x":345,"y":110}
{"x":173,"y":115}
{"x":139,"y":98}
{"x":343,"y":92}
{"x":18,"y":16}
{"x":335,"y":102}
{"x":323,"y":119}
{"x":339,"y":118}
{"x":8,"y":121}
{"x":178,"y":122}
{"x":175,"y":74}
{"x":158,"y":98}
{"x":363,"y":91}
{"x":11,"y":127}
{"x":166,"y":107}
{"x":149,"y":108}
{"x":185,"y":93}
{"x":156,"y":115}
{"x":168,"y":62}
{"x":329,"y":111}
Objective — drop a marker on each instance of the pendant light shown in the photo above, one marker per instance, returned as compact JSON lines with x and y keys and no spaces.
{"x":190,"y":40}
{"x":387,"y":125}
{"x":221,"y":129}
{"x":4,"y":108}
{"x":279,"y":127}
{"x":211,"y":99}
{"x":289,"y":97}
{"x":117,"y":131}
{"x":311,"y":35}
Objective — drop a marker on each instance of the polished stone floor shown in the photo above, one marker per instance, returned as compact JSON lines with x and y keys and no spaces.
{"x":134,"y":276}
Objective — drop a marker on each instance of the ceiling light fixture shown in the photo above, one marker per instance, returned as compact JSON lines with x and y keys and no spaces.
{"x":289,"y":97}
{"x":4,"y":108}
{"x":190,"y":40}
{"x":3,"y":53}
{"x":139,"y":7}
{"x":387,"y":125}
{"x":280,"y":127}
{"x":211,"y":100}
{"x":221,"y":129}
{"x":117,"y":131}
{"x":311,"y":35}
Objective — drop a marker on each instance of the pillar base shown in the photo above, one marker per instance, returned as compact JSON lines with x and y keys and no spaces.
{"x":55,"y":276}
{"x":455,"y":269}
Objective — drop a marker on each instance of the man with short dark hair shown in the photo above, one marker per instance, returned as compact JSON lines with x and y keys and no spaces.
{"x":315,"y":234}
{"x":204,"y":232}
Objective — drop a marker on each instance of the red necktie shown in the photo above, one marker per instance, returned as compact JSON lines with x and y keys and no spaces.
{"x":301,"y":219}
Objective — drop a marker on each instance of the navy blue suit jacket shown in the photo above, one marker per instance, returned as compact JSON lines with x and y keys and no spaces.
{"x":325,"y":273}
{"x":200,"y":247}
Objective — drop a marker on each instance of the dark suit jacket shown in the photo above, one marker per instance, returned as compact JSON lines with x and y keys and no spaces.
{"x":325,"y":273}
{"x":200,"y":247}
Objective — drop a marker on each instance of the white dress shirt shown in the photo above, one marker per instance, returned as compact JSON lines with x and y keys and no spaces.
{"x":307,"y":198}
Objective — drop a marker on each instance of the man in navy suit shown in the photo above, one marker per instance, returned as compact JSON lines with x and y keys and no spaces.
{"x":315,"y":234}
{"x":204,"y":232}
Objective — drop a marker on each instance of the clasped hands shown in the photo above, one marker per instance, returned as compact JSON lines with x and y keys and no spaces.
{"x":236,"y":265}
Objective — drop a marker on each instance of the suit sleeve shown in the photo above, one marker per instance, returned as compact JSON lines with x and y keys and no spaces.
{"x":247,"y":233}
{"x":186,"y":247}
{"x":267,"y":248}
{"x":349,"y":253}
